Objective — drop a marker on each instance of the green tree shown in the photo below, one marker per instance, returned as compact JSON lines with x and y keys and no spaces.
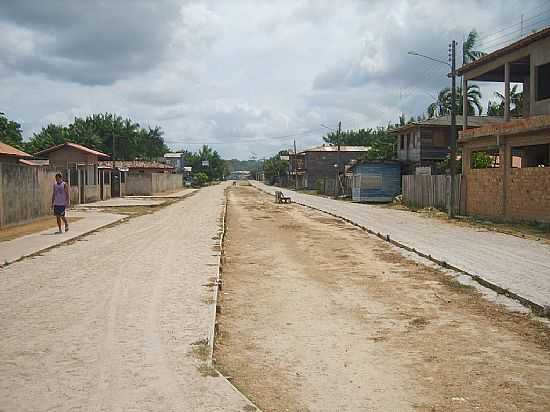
{"x":103,"y":132}
{"x":10,"y":132}
{"x":200,"y":179}
{"x":442,"y":106}
{"x":516,"y":102}
{"x":217,"y":167}
{"x":275,"y":168}
{"x":469,"y":54}
{"x":379,"y":140}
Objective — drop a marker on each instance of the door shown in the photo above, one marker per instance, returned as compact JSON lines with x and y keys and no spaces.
{"x":115,"y":184}
{"x":82,"y":186}
{"x":101,"y":177}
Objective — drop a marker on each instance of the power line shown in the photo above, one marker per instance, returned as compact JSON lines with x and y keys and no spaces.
{"x":510,"y":36}
{"x":488,"y":35}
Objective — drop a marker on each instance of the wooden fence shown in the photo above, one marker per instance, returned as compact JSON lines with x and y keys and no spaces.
{"x":420,"y":191}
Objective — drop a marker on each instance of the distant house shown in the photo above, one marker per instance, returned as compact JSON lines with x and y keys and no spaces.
{"x":426,"y":143}
{"x":311,"y":165}
{"x":146,"y":178}
{"x":80,"y":168}
{"x":512,"y":180}
{"x":10,"y":154}
{"x":176,"y":160}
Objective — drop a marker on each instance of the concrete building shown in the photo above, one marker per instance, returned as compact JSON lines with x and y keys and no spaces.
{"x":311,"y":165}
{"x":79,"y":165}
{"x":174,"y":159}
{"x":514,"y":184}
{"x":426,"y":143}
{"x":145,"y":178}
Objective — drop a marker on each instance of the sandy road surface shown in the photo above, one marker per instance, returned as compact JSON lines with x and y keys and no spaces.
{"x":521,"y":266}
{"x":117,"y":320}
{"x":319,"y":316}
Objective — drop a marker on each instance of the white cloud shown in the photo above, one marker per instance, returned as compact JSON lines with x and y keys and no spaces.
{"x":242,"y":74}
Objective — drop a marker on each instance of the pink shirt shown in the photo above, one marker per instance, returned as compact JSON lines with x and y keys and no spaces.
{"x":59,"y":196}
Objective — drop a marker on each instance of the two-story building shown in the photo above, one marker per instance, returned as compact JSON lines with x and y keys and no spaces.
{"x":514,"y":184}
{"x":426,"y":143}
{"x":322,"y":162}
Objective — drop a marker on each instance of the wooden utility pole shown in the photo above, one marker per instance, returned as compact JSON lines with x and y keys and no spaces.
{"x":337,"y":182}
{"x":295,"y":167}
{"x":452,"y":159}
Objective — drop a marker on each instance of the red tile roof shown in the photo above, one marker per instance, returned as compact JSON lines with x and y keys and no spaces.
{"x":74,"y":146}
{"x":7,"y":150}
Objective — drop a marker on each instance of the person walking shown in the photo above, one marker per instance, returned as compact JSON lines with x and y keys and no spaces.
{"x":60,"y":201}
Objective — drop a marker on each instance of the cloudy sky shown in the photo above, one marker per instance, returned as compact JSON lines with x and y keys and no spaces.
{"x":245,"y":76}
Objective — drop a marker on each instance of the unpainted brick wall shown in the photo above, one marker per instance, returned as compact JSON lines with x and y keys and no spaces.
{"x":529,"y":194}
{"x":484,"y":193}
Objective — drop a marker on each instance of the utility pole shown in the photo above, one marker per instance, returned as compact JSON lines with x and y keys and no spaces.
{"x":337,"y":182}
{"x":452,"y":159}
{"x":295,"y":167}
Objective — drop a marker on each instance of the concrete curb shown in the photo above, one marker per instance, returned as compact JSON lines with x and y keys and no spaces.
{"x":66,"y":242}
{"x":534,"y":307}
{"x":77,"y":237}
{"x":217,"y":287}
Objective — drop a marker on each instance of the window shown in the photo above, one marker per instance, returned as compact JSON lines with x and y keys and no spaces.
{"x":543,"y":81}
{"x":531,"y":156}
{"x":408,"y":140}
{"x":107,"y":177}
{"x":74,"y":176}
{"x":122,"y":177}
{"x":485,"y":159}
{"x":402,"y":142}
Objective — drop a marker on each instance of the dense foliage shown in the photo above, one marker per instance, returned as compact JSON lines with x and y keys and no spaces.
{"x":131,"y":141}
{"x":380,"y":141}
{"x":10,"y":132}
{"x":216,"y":168}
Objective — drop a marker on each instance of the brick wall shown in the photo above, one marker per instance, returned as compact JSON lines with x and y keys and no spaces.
{"x":484,"y":193}
{"x":529,"y":194}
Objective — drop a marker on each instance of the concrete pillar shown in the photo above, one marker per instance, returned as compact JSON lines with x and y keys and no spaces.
{"x":505,"y":153}
{"x":526,"y":111}
{"x":532,"y":86}
{"x":507,"y":91}
{"x":464,"y":103}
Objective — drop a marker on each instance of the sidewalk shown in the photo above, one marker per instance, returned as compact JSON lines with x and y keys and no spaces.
{"x":13,"y":250}
{"x":521,"y":266}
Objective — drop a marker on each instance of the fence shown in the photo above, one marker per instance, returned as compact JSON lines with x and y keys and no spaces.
{"x":421,"y":191}
{"x":327,"y":186}
{"x":25,"y":192}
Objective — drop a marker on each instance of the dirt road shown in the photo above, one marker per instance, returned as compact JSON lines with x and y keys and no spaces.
{"x":117,"y":321}
{"x":319,"y":316}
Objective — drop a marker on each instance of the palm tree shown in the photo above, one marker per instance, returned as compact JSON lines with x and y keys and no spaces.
{"x":516,"y":100}
{"x":469,"y":54}
{"x":442,"y":106}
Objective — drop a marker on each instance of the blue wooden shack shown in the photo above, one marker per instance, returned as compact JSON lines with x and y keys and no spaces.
{"x":376,"y":181}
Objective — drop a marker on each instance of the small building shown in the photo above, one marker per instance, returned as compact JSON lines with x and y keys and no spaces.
{"x":176,"y":160}
{"x":240,"y":175}
{"x":506,"y":166}
{"x":376,"y":181}
{"x":144,"y":178}
{"x":426,"y":143}
{"x":10,"y":154}
{"x":79,"y":165}
{"x":315,"y":164}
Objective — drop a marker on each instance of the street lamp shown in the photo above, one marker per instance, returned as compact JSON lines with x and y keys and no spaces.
{"x":452,"y":160}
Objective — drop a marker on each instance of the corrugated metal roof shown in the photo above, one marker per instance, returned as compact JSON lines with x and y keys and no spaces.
{"x":332,"y":148}
{"x":7,"y":150}
{"x":74,"y":146}
{"x":473,"y":121}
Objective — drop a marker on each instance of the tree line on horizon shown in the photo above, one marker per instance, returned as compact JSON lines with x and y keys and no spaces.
{"x":103,"y":132}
